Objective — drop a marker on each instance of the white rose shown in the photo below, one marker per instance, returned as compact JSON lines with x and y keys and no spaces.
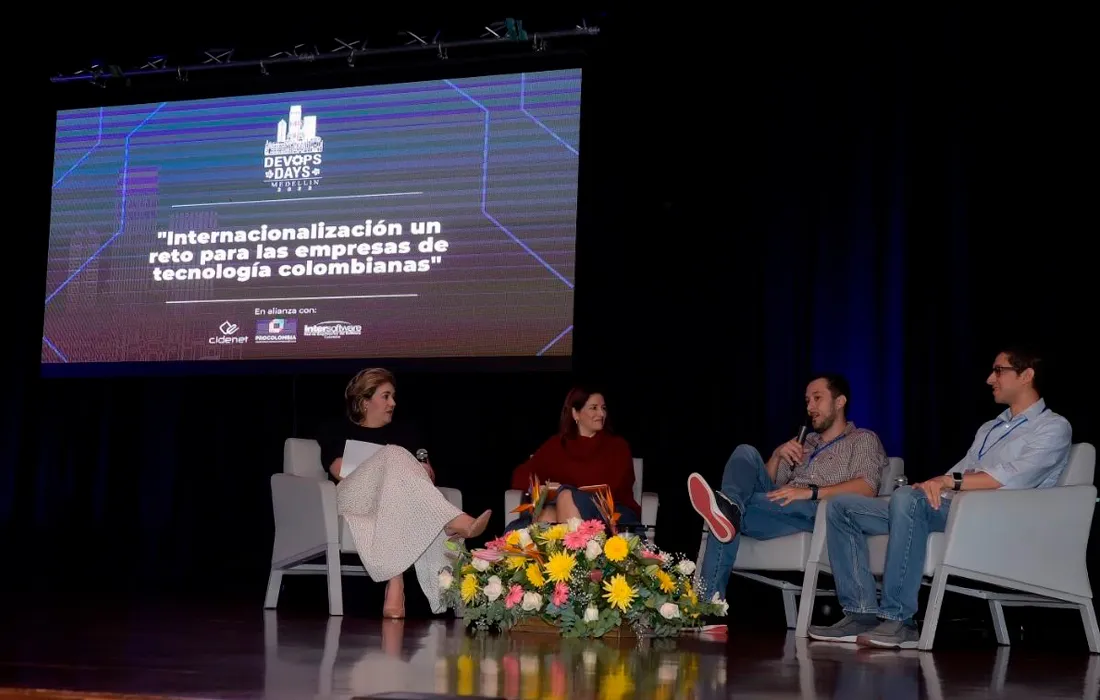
{"x":725,"y":607}
{"x":573,"y":524}
{"x":593,"y":549}
{"x":531,"y":601}
{"x":524,"y":537}
{"x":494,"y":588}
{"x":686,"y":567}
{"x":481,"y":564}
{"x":445,"y":579}
{"x":669,"y":611}
{"x":591,"y":614}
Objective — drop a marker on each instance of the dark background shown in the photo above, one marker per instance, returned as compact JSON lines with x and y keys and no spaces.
{"x":890,"y":198}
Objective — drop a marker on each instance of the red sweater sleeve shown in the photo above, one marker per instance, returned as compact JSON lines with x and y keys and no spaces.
{"x":539,"y":463}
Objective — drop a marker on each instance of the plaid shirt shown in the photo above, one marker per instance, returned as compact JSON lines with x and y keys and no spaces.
{"x":856,"y":453}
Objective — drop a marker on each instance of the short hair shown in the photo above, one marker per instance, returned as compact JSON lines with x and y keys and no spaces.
{"x":838,"y":386}
{"x":1022,"y":358}
{"x":575,"y":400}
{"x":362,"y":387}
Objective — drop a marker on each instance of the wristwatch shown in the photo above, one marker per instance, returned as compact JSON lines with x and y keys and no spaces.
{"x":813,"y":492}
{"x":958,"y":477}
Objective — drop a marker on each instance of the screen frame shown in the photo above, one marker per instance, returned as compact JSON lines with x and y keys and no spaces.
{"x":65,"y":97}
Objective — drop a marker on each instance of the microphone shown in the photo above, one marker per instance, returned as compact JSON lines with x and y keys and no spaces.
{"x":422,"y":455}
{"x":801,"y":439}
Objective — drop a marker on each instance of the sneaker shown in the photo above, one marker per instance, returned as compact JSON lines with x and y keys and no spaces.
{"x":847,"y":630}
{"x":720,"y":513}
{"x":891,"y":634}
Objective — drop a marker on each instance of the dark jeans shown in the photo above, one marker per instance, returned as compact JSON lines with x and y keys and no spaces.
{"x":586,"y":504}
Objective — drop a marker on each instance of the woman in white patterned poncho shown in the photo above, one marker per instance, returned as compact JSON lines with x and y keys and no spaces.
{"x":396,"y":515}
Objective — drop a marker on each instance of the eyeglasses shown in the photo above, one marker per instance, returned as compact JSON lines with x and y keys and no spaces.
{"x":998,"y":369}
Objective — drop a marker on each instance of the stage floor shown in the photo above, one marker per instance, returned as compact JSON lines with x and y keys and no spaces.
{"x":239,"y":651}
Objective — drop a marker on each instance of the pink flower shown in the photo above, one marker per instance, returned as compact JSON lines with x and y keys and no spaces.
{"x":515,"y":594}
{"x":646,"y":554}
{"x":487,"y":555}
{"x":577,"y":539}
{"x":497,"y":544}
{"x":560,"y":596}
{"x":592,"y":527}
{"x":596,"y":575}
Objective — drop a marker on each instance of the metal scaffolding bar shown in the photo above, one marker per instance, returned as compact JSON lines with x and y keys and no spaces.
{"x":495,"y":35}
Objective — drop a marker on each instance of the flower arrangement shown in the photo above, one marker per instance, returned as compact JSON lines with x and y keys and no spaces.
{"x":577,"y":576}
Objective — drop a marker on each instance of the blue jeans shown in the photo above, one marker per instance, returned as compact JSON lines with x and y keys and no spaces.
{"x":746,"y":482}
{"x":908,"y":518}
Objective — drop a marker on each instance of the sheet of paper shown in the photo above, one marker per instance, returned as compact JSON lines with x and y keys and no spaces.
{"x":355,"y":453}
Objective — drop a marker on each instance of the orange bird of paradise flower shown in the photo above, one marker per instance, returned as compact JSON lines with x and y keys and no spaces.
{"x":605,"y":504}
{"x":538,"y":500}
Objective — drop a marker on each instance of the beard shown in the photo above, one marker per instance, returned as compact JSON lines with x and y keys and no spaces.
{"x":823,"y":423}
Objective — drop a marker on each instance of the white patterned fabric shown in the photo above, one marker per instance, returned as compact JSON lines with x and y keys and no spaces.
{"x":396,"y":518}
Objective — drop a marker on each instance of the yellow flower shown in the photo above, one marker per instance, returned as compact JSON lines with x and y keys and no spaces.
{"x":469,"y":587}
{"x":516,"y":562}
{"x":616,"y":548}
{"x":691,"y":593}
{"x":513,"y":538}
{"x":535,"y":576}
{"x":560,"y":566}
{"x":619,"y":594}
{"x":665,"y":581}
{"x":554,"y":533}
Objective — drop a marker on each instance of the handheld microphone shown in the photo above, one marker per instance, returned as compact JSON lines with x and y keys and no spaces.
{"x":422,"y":455}
{"x":802,"y":432}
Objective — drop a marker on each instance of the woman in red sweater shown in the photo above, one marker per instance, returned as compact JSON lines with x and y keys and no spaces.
{"x":583,"y":453}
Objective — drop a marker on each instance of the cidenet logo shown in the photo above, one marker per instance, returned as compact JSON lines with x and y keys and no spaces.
{"x":292,"y":162}
{"x":227,"y":337}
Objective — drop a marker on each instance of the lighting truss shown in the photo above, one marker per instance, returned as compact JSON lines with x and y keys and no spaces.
{"x":350,"y":50}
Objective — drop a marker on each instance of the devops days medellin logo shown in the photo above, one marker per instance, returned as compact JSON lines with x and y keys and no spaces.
{"x":277,"y":330}
{"x":292,"y":162}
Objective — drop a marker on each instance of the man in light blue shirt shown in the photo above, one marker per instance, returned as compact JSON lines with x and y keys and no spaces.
{"x":1027,"y":446}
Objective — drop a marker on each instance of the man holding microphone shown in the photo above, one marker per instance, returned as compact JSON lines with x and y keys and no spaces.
{"x":779,"y":497}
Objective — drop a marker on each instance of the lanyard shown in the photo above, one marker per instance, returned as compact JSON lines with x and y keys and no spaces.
{"x":983,"y":451}
{"x":827,"y":445}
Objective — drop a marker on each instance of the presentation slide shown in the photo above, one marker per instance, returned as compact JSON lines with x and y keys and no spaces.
{"x":419,"y":220}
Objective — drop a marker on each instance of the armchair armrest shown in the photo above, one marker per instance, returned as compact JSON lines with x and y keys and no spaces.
{"x":1036,"y":537}
{"x":305,"y":517}
{"x":452,"y":495}
{"x":650,"y":502}
{"x":512,"y":499}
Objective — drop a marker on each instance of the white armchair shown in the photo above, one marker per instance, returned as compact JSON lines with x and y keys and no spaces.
{"x":646,"y":499}
{"x":756,"y":558}
{"x":1028,"y":540}
{"x":307,"y":526}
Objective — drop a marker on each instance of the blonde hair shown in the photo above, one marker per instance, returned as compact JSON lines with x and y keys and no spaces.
{"x":362,"y":387}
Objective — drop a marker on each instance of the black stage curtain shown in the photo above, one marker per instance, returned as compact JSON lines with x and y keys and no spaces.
{"x":787,"y":198}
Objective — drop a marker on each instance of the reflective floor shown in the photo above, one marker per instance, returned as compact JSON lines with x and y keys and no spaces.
{"x":243,"y":652}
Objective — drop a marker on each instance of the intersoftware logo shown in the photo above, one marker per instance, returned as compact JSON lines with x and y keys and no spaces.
{"x":277,"y":330}
{"x":292,"y":162}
